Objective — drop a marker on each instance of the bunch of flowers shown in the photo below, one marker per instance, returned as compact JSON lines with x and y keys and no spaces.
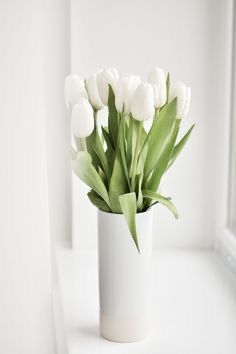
{"x":122,"y":163}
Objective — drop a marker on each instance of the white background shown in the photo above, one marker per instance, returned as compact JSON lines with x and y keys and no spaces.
{"x":34,"y":47}
{"x":188,"y":39}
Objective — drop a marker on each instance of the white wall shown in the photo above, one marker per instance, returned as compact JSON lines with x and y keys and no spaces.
{"x":185,"y":37}
{"x":34,"y":45}
{"x":55,"y":30}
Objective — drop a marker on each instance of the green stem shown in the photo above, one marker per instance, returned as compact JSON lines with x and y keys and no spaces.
{"x":120,"y":128}
{"x":95,"y":120}
{"x":136,"y":153}
{"x":149,"y":134}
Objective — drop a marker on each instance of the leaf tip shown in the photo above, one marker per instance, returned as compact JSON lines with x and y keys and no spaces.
{"x":137,"y":245}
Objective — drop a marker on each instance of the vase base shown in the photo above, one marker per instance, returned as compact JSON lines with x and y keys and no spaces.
{"x":124,"y":330}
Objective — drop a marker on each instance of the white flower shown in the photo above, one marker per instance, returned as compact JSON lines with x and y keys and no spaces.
{"x":183,"y":94}
{"x":74,"y":90}
{"x":92,"y":89}
{"x":105,"y":77}
{"x":82,"y":121}
{"x":158,"y":80}
{"x":142,"y":105}
{"x":124,"y":92}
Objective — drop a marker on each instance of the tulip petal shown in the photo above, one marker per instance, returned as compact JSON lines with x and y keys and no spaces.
{"x":74,"y":90}
{"x":82,"y":121}
{"x":158,"y":80}
{"x":183,"y":94}
{"x":104,"y":79}
{"x":142,"y":105}
{"x":92,"y":88}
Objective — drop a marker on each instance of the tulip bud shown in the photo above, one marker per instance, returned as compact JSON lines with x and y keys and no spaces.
{"x":158,"y":80}
{"x":105,"y":78}
{"x":82,"y":121}
{"x":183,"y":94}
{"x":92,"y":88}
{"x":142,"y":105}
{"x":74,"y":90}
{"x":124,"y":92}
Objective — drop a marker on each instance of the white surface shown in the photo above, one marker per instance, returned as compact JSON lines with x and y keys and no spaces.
{"x":124,"y":282}
{"x":188,"y":38}
{"x":194,"y":305}
{"x":25,"y":270}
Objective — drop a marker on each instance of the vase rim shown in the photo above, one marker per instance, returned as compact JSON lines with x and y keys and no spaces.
{"x":121,"y":214}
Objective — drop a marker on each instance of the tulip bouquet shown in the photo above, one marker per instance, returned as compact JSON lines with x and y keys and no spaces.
{"x":122,"y":163}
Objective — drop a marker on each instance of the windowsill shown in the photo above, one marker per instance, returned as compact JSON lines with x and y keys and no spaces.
{"x":226,"y":248}
{"x":194,"y":305}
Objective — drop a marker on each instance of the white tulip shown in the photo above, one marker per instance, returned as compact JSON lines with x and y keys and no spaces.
{"x":105,"y":77}
{"x":82,"y":121}
{"x":183,"y":94}
{"x":142,"y":105}
{"x":158,"y":80}
{"x":92,"y":88}
{"x":74,"y":90}
{"x":124,"y":92}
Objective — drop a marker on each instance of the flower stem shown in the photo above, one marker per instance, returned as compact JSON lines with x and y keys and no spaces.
{"x":148,"y":134}
{"x":136,"y":153}
{"x":95,"y":118}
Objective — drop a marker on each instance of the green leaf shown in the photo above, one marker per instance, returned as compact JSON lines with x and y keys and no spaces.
{"x":132,"y":146}
{"x":139,"y":192}
{"x":110,"y":149}
{"x":122,"y":150}
{"x":159,"y":198}
{"x":90,"y":143}
{"x":162,"y":164}
{"x":129,"y":208}
{"x":147,"y":137}
{"x":107,"y":138}
{"x":178,"y":148}
{"x":160,"y":135}
{"x":112,"y":116}
{"x":118,"y":184}
{"x":98,"y":148}
{"x":83,"y":168}
{"x":98,"y":201}
{"x":142,"y":155}
{"x":129,"y":133}
{"x":168,"y":87}
{"x":134,"y":136}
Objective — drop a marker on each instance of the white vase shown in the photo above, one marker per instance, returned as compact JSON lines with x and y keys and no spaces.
{"x":124,"y":277}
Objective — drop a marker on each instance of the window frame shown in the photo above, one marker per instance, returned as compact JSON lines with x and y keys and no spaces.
{"x":232,"y":170}
{"x":225,"y":242}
